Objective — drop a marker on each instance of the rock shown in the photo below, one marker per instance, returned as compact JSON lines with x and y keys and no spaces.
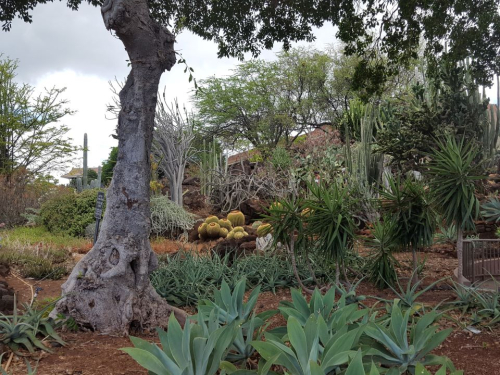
{"x":191,"y":181}
{"x":248,"y":246}
{"x":253,"y":208}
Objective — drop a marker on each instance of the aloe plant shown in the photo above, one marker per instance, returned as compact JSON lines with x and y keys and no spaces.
{"x":402,"y":345}
{"x":18,"y":331}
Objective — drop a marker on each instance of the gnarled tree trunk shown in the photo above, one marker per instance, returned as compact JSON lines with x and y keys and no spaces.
{"x":109,"y":289}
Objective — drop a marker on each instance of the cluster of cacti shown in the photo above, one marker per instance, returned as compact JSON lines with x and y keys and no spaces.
{"x":237,"y":233}
{"x":213,"y":227}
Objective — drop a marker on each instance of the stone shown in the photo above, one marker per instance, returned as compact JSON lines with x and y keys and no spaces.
{"x":251,"y":245}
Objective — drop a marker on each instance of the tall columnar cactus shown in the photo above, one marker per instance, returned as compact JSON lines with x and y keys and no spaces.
{"x":85,"y":167}
{"x":211,"y":161}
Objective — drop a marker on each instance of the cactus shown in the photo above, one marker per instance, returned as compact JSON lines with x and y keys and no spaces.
{"x":202,"y":231}
{"x":306,"y":212}
{"x":212,"y":219}
{"x":236,"y":218}
{"x":238,"y":235}
{"x":85,"y":167}
{"x":230,"y":235}
{"x":263,"y":230}
{"x":238,"y":229}
{"x":225,"y":223}
{"x":256,"y":224}
{"x":223,"y":232}
{"x":213,"y":230}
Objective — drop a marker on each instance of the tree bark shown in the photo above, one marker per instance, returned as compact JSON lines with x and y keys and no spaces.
{"x":109,"y":289}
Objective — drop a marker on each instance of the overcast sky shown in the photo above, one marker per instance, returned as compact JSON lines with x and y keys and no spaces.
{"x":70,"y":49}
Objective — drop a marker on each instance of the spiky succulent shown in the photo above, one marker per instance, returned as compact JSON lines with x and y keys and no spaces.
{"x":213,"y":230}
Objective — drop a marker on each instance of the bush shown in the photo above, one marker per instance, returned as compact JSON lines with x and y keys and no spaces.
{"x":168,"y":217}
{"x":69,"y":213}
{"x":17,"y":194}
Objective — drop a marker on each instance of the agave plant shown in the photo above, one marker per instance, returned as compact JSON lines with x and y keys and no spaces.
{"x":310,"y":349}
{"x":230,"y":306}
{"x":198,"y":349}
{"x":490,"y":210}
{"x":401,"y":345}
{"x":335,"y":314}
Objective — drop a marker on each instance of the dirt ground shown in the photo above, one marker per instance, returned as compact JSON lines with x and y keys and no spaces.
{"x":90,"y":353}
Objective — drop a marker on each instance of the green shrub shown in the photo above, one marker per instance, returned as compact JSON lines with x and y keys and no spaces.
{"x":69,"y":214}
{"x":168,"y":217}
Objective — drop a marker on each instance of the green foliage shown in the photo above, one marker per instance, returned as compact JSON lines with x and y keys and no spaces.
{"x":21,"y":331}
{"x":330,"y":222}
{"x":490,"y":210}
{"x":409,"y":202}
{"x":186,"y":278}
{"x":401,"y":345}
{"x":381,"y":263}
{"x":336,"y":314}
{"x":196,"y":349}
{"x":280,"y":159}
{"x":453,"y":171}
{"x":167,"y":216}
{"x":19,"y":238}
{"x":108,"y":165}
{"x":70,"y":213}
{"x":409,"y":295}
{"x":311,"y":349}
{"x":25,"y":115}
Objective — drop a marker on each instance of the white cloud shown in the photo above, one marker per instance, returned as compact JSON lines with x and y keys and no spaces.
{"x":70,"y":49}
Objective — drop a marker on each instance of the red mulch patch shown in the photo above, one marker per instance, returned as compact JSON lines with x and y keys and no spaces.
{"x":89,"y":353}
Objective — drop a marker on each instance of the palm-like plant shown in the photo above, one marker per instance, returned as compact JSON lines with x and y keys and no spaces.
{"x":409,"y":202}
{"x":453,"y":169}
{"x":330,"y":222}
{"x":381,"y":265}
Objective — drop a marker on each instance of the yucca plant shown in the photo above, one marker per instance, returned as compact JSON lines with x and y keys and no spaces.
{"x":330,"y":223}
{"x":453,"y":170}
{"x":381,"y":264}
{"x":488,"y":305}
{"x":198,"y":349}
{"x":409,"y":202}
{"x":403,"y":344}
{"x":286,"y":218}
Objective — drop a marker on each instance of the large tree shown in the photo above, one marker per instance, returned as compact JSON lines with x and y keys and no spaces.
{"x":31,"y":139}
{"x":109,"y":289}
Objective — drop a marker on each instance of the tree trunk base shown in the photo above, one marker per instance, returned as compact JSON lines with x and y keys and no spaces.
{"x":113,"y":305}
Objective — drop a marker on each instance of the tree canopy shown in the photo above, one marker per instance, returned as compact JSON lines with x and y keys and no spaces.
{"x":391,"y":28}
{"x":31,"y":139}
